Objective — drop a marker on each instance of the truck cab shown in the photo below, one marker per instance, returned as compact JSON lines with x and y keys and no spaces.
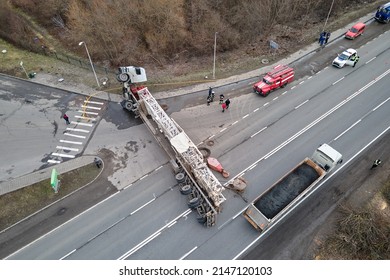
{"x":280,"y":76}
{"x":326,"y":157}
{"x":383,"y":13}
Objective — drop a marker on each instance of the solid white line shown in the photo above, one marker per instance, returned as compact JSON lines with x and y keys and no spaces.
{"x":43,"y":236}
{"x":381,"y":104}
{"x":345,"y":131}
{"x":71,"y":252}
{"x":91,"y":107}
{"x":245,"y":116}
{"x":370,"y":60}
{"x":88,"y":113}
{"x":313,"y":191}
{"x":83,"y":124}
{"x":63,"y":155}
{"x":147,"y":203}
{"x":53,"y":161}
{"x":193,"y":249}
{"x":253,"y":135}
{"x":301,"y":104}
{"x":255,"y":110}
{"x":74,"y":135}
{"x":67,"y":148}
{"x":223,"y":129}
{"x":93,"y":102}
{"x":338,"y":80}
{"x":77,"y":129}
{"x":71,"y":142}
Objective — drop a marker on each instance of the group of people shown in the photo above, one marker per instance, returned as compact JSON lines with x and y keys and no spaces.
{"x":324,"y":37}
{"x":210,"y":98}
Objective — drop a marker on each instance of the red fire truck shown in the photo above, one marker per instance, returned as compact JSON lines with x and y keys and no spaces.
{"x":280,"y":76}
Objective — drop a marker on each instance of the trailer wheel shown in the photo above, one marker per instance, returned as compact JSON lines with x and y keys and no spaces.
{"x":285,"y":84}
{"x":180,"y":177}
{"x":186,"y":189}
{"x":123,"y":77}
{"x":193,"y":203}
{"x":129,"y":105}
{"x":201,"y":219}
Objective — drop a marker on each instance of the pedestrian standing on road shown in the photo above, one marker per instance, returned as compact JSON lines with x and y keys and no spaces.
{"x":227,"y":102}
{"x":327,"y":37}
{"x":66,"y":118}
{"x":223,"y":107}
{"x":376,"y":163}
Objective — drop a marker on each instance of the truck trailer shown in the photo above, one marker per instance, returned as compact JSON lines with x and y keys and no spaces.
{"x":291,"y":188}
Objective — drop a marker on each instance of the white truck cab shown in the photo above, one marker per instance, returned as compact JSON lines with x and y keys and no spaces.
{"x":348,"y":57}
{"x":327,"y":157}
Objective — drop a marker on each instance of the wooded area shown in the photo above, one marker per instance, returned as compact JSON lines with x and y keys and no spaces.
{"x":139,"y":32}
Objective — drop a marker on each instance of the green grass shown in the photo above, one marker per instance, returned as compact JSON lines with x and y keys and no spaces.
{"x":19,"y":204}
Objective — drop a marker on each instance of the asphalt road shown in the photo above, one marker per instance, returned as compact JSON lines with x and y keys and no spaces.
{"x":259,"y":138}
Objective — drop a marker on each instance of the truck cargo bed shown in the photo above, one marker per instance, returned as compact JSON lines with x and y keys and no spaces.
{"x":288,"y":188}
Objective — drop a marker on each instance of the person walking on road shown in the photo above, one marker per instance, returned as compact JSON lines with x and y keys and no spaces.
{"x":223,"y":107}
{"x":227,"y":102}
{"x":376,"y":163}
{"x":66,"y":118}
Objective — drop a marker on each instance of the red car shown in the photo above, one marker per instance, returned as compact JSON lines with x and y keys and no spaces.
{"x":355,"y":31}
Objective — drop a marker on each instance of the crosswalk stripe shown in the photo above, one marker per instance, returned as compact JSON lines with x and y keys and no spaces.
{"x":91,"y":107}
{"x":74,"y":135}
{"x":82,"y":124}
{"x":67,"y":148}
{"x":71,"y":142}
{"x":94,"y":102}
{"x":53,"y":161}
{"x":63,"y":155}
{"x":77,"y":129}
{"x":88,"y":113}
{"x":86,"y":118}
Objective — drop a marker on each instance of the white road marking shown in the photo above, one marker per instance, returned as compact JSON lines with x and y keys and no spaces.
{"x":253,"y":135}
{"x":83,"y":124}
{"x":293,"y":87}
{"x":143,"y":177}
{"x":301,"y":82}
{"x":381,"y":104}
{"x":370,"y":60}
{"x":265,"y":104}
{"x":67,"y":148}
{"x":338,"y":80}
{"x":158,"y":168}
{"x":53,"y":161}
{"x":234,"y":122}
{"x":275,"y":98}
{"x":71,"y":142}
{"x":91,"y":107}
{"x":245,"y":116}
{"x":87,"y":112}
{"x":185,"y":255}
{"x":139,"y":208}
{"x":68,"y":254}
{"x":301,"y":104}
{"x":284,"y":93}
{"x":63,"y":155}
{"x":255,"y":110}
{"x":74,"y":135}
{"x":223,"y":129}
{"x":93,"y":102}
{"x":86,"y":118}
{"x":309,"y":77}
{"x":77,"y":129}
{"x":345,"y":131}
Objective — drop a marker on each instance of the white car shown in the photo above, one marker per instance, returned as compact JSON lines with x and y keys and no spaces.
{"x":348,"y":57}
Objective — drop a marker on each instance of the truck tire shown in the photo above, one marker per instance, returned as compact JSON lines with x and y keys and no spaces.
{"x":123,"y":77}
{"x":180,"y":177}
{"x":194,"y":202}
{"x":186,"y":189}
{"x":129,"y":105}
{"x":285,"y":84}
{"x":201,"y":219}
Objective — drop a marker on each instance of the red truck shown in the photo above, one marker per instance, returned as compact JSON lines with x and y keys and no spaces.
{"x":280,"y":76}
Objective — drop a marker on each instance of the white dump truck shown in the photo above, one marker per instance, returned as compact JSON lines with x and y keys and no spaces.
{"x":292,"y":187}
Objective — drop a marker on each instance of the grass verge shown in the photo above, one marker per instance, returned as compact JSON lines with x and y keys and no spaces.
{"x":19,"y":204}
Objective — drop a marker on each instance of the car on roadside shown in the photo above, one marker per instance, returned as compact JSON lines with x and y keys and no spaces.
{"x":348,"y":57}
{"x":355,"y":31}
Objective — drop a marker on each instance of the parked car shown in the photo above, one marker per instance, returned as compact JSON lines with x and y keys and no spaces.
{"x":383,"y":13}
{"x":348,"y":57}
{"x":355,"y":31}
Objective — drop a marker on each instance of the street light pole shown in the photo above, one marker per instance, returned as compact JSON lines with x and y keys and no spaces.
{"x":215,"y":51}
{"x":90,"y":61}
{"x":330,"y":9}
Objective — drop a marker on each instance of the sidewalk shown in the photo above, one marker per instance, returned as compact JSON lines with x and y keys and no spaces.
{"x":35,"y":177}
{"x":48,"y":80}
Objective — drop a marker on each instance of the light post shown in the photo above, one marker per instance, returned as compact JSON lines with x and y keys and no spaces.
{"x":330,"y":9}
{"x":215,"y":51}
{"x":90,"y":61}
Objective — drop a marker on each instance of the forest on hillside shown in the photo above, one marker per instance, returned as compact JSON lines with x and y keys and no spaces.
{"x":137,"y":32}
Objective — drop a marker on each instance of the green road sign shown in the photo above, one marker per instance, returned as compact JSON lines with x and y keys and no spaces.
{"x":54,"y":182}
